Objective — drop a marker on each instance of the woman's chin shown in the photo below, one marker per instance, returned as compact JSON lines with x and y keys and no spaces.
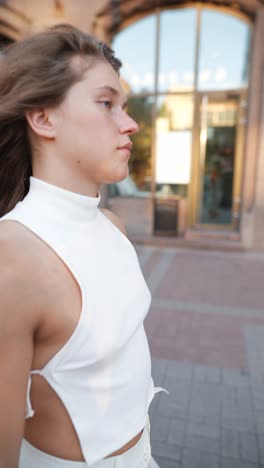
{"x":118,"y":176}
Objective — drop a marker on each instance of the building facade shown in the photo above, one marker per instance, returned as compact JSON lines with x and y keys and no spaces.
{"x":194,"y":74}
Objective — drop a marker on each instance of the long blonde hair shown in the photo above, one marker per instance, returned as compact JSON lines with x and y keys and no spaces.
{"x":33,"y":73}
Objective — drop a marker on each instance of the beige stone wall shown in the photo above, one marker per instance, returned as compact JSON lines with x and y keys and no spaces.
{"x":42,"y":14}
{"x":136,"y":214}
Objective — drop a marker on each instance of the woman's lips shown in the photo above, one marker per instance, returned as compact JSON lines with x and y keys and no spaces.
{"x":126,"y":149}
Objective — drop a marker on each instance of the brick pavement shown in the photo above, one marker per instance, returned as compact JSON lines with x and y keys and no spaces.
{"x":206,"y":335}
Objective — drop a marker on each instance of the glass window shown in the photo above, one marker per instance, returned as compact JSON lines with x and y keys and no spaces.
{"x":174,"y":144}
{"x":135,"y":46}
{"x":177,"y":50}
{"x":224,"y":52}
{"x":218,"y":150}
{"x":138,"y":184}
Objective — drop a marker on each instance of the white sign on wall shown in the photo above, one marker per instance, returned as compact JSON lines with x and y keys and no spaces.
{"x":173,"y":157}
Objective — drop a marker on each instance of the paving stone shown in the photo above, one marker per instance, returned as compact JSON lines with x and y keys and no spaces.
{"x":207,"y":374}
{"x":258,"y":391}
{"x":209,"y":460}
{"x":179,"y":370}
{"x":153,"y":410}
{"x":239,"y":423}
{"x":191,"y":458}
{"x":205,"y":444}
{"x":261,"y":449}
{"x":165,"y":450}
{"x":197,"y":414}
{"x":244,"y":399}
{"x":212,"y":415}
{"x":204,"y":430}
{"x":256,"y":377}
{"x":159,"y":271}
{"x":255,"y":351}
{"x":159,"y":369}
{"x":172,"y":409}
{"x":204,"y":414}
{"x":260,"y":421}
{"x":205,"y":404}
{"x":179,"y":390}
{"x":234,"y":377}
{"x":160,"y":429}
{"x":232,"y":463}
{"x":236,"y":413}
{"x":201,"y":408}
{"x":177,"y":432}
{"x":144,"y":255}
{"x":228,"y":394}
{"x":230,"y":443}
{"x":207,"y":393}
{"x":248,"y":447}
{"x":258,"y":398}
{"x":165,"y":463}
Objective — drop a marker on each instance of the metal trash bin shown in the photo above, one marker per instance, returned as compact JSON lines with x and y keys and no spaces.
{"x":166,"y":216}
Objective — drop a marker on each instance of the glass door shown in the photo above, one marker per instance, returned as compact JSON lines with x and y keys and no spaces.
{"x":173,"y":161}
{"x":219,"y":178}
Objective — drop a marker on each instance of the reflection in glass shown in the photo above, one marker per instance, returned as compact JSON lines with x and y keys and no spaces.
{"x":177,"y":50}
{"x":223,"y":52}
{"x":219,"y":156}
{"x":138,"y":183}
{"x":174,"y":144}
{"x":138,"y":64}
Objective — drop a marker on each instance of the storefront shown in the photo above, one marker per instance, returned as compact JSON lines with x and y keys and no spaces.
{"x":190,"y":72}
{"x":188,"y":88}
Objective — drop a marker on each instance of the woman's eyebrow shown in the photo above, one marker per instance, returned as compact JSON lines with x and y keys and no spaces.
{"x":108,"y":88}
{"x":113,"y":91}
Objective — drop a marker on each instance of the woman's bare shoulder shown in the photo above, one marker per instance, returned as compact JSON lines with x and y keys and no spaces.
{"x":11,"y":231}
{"x":15,"y":242}
{"x":17,"y":302}
{"x":20,"y":269}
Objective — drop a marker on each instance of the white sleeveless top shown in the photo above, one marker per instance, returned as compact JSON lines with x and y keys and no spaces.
{"x":102,"y":374}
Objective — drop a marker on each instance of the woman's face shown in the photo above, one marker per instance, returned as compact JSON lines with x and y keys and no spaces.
{"x":92,"y":127}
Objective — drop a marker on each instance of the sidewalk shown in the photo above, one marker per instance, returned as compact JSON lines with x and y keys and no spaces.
{"x":206,"y":335}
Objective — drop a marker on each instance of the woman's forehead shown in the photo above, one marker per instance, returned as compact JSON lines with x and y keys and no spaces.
{"x":101,"y":77}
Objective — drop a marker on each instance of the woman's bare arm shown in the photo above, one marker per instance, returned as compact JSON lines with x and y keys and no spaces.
{"x":17,"y":326}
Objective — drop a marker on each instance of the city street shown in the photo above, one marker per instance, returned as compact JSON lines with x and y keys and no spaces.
{"x":206,"y":335}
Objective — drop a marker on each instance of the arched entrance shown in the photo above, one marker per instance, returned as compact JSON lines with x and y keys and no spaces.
{"x":186,"y":71}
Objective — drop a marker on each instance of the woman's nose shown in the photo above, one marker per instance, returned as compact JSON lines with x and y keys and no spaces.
{"x":129,"y":125}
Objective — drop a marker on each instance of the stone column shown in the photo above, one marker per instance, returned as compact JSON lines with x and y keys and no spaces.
{"x":252,"y":159}
{"x":258,"y":229}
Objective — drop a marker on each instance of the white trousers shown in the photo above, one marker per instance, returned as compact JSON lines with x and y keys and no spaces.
{"x":138,"y":456}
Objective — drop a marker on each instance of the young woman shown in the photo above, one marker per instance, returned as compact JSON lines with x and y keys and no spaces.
{"x":73,"y":349}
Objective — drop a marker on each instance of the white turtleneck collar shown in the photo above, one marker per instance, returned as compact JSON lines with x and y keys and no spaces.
{"x":61,"y":202}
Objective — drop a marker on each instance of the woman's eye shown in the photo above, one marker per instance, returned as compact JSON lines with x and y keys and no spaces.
{"x":107,"y":104}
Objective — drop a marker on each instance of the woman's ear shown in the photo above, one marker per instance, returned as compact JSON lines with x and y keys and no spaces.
{"x":42,"y":123}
